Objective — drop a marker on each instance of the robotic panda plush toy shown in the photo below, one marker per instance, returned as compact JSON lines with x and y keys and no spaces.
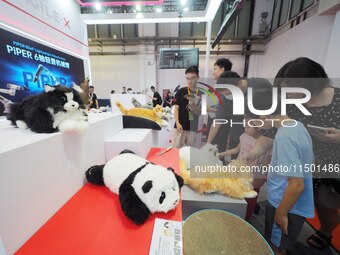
{"x":142,"y":186}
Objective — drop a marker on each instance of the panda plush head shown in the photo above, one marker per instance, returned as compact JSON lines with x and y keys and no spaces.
{"x":151,"y":189}
{"x":158,"y":189}
{"x":142,"y":186}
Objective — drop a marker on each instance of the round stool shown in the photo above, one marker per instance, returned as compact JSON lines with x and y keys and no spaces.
{"x":212,"y":232}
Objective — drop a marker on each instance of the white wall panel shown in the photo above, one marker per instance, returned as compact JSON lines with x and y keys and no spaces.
{"x":308,"y":39}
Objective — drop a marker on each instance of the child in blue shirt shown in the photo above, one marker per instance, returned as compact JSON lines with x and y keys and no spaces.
{"x":289,"y":180}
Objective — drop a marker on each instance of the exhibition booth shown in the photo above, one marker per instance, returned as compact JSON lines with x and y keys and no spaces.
{"x":51,"y":210}
{"x":75,"y":180}
{"x":47,"y":206}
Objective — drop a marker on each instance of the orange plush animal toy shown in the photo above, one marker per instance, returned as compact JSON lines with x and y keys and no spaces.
{"x":156,"y":114}
{"x":236,"y":185}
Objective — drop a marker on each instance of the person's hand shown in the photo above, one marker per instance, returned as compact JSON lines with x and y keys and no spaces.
{"x":333,"y":135}
{"x":179,"y":127}
{"x":221,"y":155}
{"x":191,"y":101}
{"x":249,"y":157}
{"x":281,"y":219}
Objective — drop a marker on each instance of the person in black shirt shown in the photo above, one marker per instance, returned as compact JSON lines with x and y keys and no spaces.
{"x":221,"y":65}
{"x":156,"y":99}
{"x":93,"y":98}
{"x":187,"y":110}
{"x":226,"y":110}
{"x":167,"y":100}
{"x":124,"y":90}
{"x":218,"y":134}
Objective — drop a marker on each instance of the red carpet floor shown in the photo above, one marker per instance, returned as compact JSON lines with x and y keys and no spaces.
{"x":92,"y":222}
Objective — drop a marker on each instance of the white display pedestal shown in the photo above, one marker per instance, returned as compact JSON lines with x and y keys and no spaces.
{"x":193,"y":202}
{"x":40,"y":172}
{"x":162,"y":138}
{"x":138,"y":140}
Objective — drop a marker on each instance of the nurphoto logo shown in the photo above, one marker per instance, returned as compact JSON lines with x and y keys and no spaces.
{"x":238,"y":104}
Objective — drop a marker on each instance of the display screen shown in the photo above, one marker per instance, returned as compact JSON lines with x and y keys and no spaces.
{"x":172,"y":58}
{"x":26,"y":66}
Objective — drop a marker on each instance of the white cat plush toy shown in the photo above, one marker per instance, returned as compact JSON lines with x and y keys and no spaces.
{"x":142,"y":186}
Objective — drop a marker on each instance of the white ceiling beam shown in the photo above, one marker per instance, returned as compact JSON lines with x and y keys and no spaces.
{"x":164,"y":17}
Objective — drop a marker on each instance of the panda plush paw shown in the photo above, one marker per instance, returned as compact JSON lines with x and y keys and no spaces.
{"x":21,"y":124}
{"x":73,"y":126}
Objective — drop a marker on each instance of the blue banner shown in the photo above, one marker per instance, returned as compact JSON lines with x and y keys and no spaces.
{"x":26,"y":66}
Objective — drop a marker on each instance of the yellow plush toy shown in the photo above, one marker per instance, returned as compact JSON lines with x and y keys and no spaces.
{"x":155,"y":114}
{"x":238,"y":185}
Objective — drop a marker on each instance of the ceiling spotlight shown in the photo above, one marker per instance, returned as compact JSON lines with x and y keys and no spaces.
{"x":138,"y":7}
{"x":183,"y":2}
{"x":98,"y":6}
{"x":158,"y":9}
{"x":186,"y":9}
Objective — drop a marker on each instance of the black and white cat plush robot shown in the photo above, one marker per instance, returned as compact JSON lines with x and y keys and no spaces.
{"x":58,"y":108}
{"x":142,"y":186}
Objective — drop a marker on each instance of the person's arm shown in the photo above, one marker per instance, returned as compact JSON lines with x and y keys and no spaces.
{"x":292,"y":193}
{"x":288,"y":154}
{"x":333,"y":135}
{"x":262,"y":145}
{"x":213,"y":131}
{"x":221,"y":113}
{"x":168,"y":100}
{"x":195,"y":108}
{"x":210,"y":109}
{"x":97,"y":104}
{"x":176,"y":114}
{"x":232,"y":151}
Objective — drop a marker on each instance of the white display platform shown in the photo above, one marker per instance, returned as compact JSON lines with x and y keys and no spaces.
{"x":40,"y":172}
{"x":138,"y":140}
{"x":125,"y":100}
{"x":162,"y":138}
{"x":193,"y":202}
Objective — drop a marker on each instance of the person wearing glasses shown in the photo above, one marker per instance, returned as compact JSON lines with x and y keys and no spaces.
{"x":187,"y":109}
